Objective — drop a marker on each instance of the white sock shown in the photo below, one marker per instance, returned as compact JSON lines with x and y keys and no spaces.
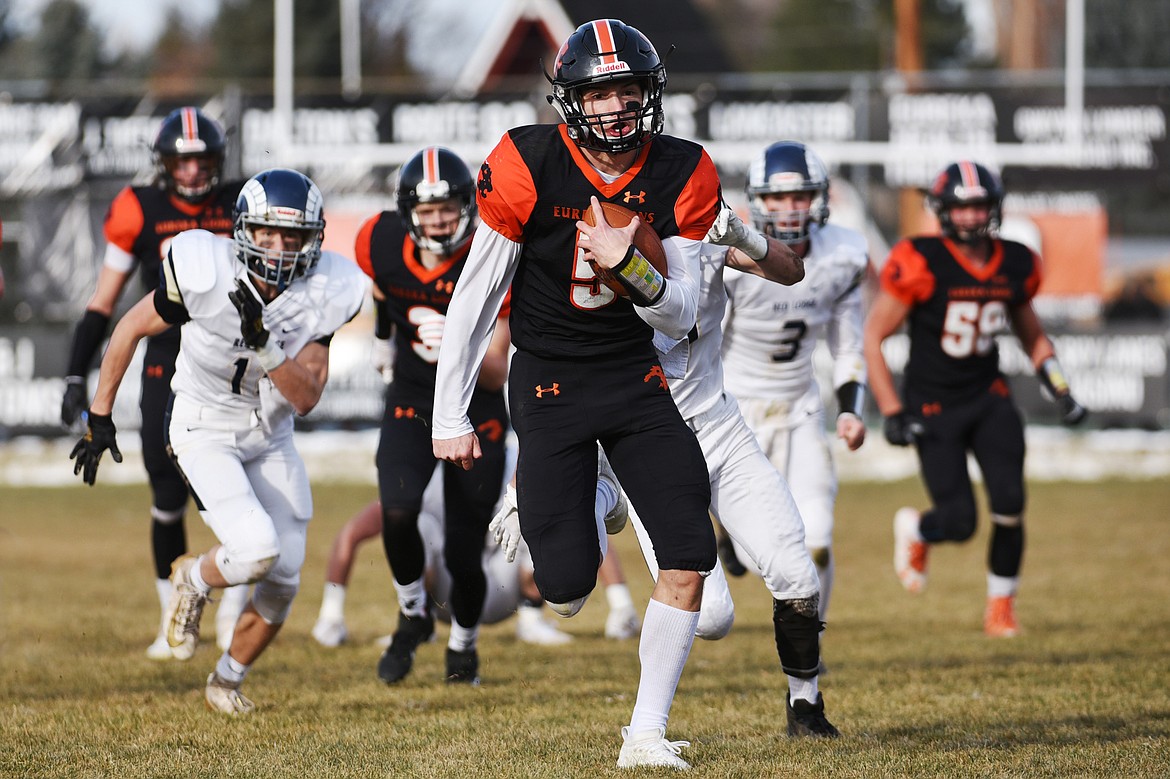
{"x":618,"y":597}
{"x":197,"y":580}
{"x":802,"y":689}
{"x":1001,"y":586}
{"x":163,"y":588}
{"x":462,"y":639}
{"x":231,"y":670}
{"x":332,"y":602}
{"x":528,"y":614}
{"x":412,"y":598}
{"x":606,"y":499}
{"x":667,"y":636}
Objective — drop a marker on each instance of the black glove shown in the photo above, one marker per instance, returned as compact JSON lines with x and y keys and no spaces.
{"x":1071,"y":412}
{"x":903,"y":429}
{"x":74,"y":401}
{"x":99,"y":436}
{"x":251,"y":315}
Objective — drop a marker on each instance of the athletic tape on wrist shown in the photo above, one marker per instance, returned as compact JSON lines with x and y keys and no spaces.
{"x":641,"y":279}
{"x":271,"y":356}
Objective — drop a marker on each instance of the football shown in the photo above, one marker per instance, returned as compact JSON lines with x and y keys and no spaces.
{"x":646,"y":241}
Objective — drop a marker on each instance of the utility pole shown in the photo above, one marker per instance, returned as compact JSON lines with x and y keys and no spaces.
{"x":908,"y":61}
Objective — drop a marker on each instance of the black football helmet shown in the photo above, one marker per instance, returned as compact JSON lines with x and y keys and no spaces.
{"x":966,"y":183}
{"x":788,"y":166}
{"x":286,"y":199}
{"x":433,"y":175}
{"x":608,"y":50}
{"x":188,"y":132}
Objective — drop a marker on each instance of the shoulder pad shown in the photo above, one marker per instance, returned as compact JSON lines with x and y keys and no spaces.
{"x":191,"y":256}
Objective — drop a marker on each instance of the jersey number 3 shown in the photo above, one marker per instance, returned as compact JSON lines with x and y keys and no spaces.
{"x":970,"y":327}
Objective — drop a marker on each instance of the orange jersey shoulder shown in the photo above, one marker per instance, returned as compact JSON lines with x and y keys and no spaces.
{"x":698,"y":205}
{"x":124,"y":220}
{"x":505,"y":191}
{"x":906,"y":275}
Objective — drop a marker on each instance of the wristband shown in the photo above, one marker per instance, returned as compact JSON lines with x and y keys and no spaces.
{"x":1051,"y":375}
{"x":641,"y":279}
{"x":270,"y":355}
{"x":851,"y":399}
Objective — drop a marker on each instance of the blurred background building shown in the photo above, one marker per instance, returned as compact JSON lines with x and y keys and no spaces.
{"x":1068,"y":100}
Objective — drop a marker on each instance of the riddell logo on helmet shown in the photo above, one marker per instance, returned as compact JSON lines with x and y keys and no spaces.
{"x":610,"y":67}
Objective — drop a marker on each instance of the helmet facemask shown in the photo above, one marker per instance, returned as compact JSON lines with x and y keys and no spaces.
{"x":966,"y":183}
{"x":283,"y":200}
{"x":437,"y":175}
{"x":600,"y":53}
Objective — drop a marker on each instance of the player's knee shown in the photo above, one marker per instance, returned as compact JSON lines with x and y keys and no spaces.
{"x":273,"y":600}
{"x":715,"y":623}
{"x":238,"y":569}
{"x":568,"y":608}
{"x":797,"y":627}
{"x":959,"y":523}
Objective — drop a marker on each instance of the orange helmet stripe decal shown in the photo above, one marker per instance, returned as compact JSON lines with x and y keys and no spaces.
{"x":605,"y":45}
{"x":190,"y":124}
{"x":431,"y":165}
{"x":969,"y":173}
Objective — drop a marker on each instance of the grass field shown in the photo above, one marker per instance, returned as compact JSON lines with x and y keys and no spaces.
{"x":913,"y":685}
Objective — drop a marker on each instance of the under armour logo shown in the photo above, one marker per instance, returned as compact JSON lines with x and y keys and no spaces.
{"x":555,"y":389}
{"x":656,"y":373}
{"x":154,"y":371}
{"x":640,"y":197}
{"x":931,"y":409}
{"x":401,"y":412}
{"x":484,"y":185}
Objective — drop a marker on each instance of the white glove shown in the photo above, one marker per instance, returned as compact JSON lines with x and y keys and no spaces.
{"x":382,"y":357}
{"x":505,"y":525}
{"x":729,"y":230}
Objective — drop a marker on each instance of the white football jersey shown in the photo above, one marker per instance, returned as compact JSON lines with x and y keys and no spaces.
{"x":214,"y":366}
{"x":771,"y":330}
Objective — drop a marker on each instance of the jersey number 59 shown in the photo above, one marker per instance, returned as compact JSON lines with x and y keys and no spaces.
{"x":970,"y":327}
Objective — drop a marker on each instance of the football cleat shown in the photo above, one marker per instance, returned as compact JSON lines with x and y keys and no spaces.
{"x":330,"y":632}
{"x":622,"y":623}
{"x":807,"y":720}
{"x":462,"y":667}
{"x":533,"y":628}
{"x":185,"y":609}
{"x":910,"y":550}
{"x":160,"y":649}
{"x":399,"y":656}
{"x":224,"y":696}
{"x":999,"y":619}
{"x":616,"y":519}
{"x":650,"y":748}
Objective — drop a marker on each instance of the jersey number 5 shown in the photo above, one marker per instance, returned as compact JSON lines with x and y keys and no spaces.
{"x":970,"y":327}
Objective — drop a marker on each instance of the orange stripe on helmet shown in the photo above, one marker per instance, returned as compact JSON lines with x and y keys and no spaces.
{"x":431,"y":165}
{"x":970,"y":174}
{"x":606,"y":47}
{"x":190,"y":124}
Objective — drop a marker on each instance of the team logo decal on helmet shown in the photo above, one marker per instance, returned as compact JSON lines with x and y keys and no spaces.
{"x":188,"y":132}
{"x":966,"y":183}
{"x":788,"y":166}
{"x":597,"y":52}
{"x":284,"y":199}
{"x":434,"y":175}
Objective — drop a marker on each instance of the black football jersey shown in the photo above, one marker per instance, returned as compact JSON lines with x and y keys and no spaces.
{"x":957,"y":310}
{"x":534,"y":187}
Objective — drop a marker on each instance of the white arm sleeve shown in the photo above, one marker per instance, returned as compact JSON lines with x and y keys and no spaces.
{"x":843,"y":336}
{"x":675,"y":312}
{"x":471,"y":320}
{"x":117,"y":258}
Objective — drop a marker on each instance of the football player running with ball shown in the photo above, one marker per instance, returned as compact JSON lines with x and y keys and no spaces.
{"x":585,"y":369}
{"x":257,"y":311}
{"x":771,"y":331}
{"x":959,"y":291}
{"x":140,"y":225}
